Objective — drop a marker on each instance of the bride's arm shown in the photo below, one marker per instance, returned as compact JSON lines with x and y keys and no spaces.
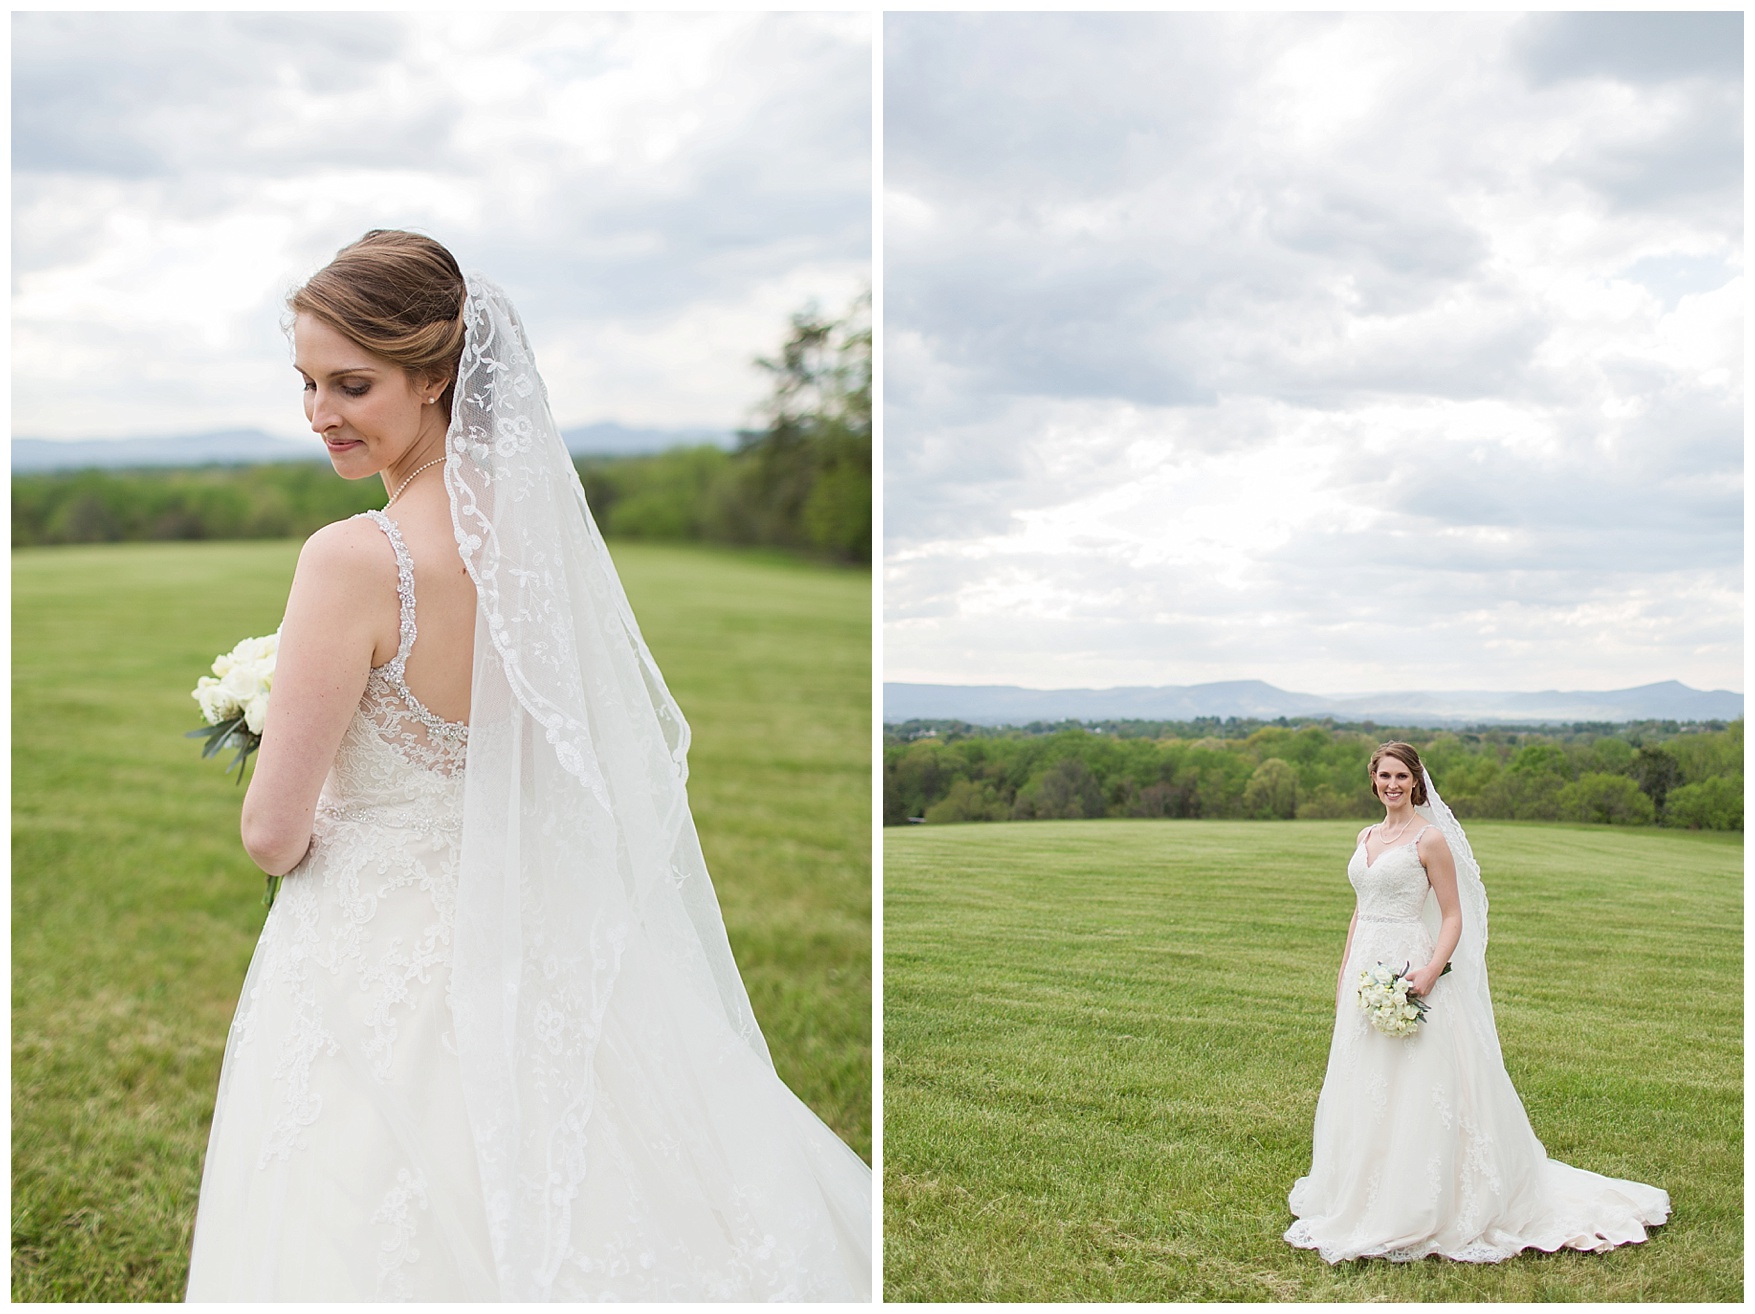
{"x":1441,"y":872}
{"x":328,"y":640}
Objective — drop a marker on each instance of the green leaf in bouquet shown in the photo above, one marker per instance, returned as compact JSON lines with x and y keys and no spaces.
{"x":228,"y":734}
{"x":218,"y":736}
{"x":246,"y":745}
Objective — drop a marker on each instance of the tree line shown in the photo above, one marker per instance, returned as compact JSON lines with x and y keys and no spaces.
{"x":802,"y":481}
{"x":1638,"y":774}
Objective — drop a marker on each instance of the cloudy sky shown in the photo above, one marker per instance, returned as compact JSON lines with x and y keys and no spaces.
{"x":1345,"y":352}
{"x":657,"y":193}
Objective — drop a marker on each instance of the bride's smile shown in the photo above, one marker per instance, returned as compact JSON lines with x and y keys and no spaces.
{"x":371,"y":414}
{"x":1394,"y":783}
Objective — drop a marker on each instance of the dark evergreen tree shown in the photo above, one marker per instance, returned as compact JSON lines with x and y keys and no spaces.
{"x":1655,"y":769}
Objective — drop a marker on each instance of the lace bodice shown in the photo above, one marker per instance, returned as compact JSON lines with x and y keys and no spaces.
{"x":1392,"y":889}
{"x":399,"y":763}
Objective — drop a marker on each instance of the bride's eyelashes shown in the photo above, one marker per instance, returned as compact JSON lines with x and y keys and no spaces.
{"x":349,"y":390}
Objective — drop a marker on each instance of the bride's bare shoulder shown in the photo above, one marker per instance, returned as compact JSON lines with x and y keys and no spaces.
{"x":1363,"y":834}
{"x":350,"y":555}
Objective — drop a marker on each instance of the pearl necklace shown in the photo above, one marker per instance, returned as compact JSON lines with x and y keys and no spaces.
{"x":1382,"y":839}
{"x":404,"y":484}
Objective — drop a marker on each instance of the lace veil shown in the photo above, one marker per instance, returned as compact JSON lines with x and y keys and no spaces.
{"x":1469,"y":994}
{"x":578,"y":847}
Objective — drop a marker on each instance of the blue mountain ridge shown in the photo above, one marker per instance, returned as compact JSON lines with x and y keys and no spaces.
{"x":1668,"y":700}
{"x":255,"y":447}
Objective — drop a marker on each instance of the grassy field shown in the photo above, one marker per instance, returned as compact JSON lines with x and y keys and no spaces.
{"x":1103,"y":1043}
{"x":135,"y":910}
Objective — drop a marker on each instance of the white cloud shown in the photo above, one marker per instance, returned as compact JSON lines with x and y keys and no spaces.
{"x":657,"y":192}
{"x":1344,"y":352}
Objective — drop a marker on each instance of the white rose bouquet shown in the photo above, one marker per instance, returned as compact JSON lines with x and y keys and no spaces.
{"x":234,"y":703}
{"x":234,"y":699}
{"x":1388,"y":1006}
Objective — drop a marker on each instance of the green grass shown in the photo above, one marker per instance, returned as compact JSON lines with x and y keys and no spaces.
{"x":1103,"y":1043}
{"x":135,"y":910}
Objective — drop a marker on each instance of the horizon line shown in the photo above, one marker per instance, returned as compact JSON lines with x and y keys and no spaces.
{"x":1249,"y":679}
{"x":279,"y":436}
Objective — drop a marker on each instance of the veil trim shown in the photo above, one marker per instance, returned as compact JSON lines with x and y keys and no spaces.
{"x":1466,"y":987}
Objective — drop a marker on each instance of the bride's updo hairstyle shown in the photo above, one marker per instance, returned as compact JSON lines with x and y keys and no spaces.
{"x":1409,"y":756}
{"x":398,"y":295}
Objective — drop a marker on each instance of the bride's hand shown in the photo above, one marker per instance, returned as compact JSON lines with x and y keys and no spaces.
{"x":1422,"y":979}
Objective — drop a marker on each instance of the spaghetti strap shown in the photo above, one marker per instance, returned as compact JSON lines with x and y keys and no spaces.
{"x":404,"y":591}
{"x":394,"y":673}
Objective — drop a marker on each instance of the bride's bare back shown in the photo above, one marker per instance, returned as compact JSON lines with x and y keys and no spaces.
{"x":438,"y":671}
{"x":343,"y":619}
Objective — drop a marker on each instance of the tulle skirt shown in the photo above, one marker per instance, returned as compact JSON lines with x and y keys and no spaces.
{"x":341,"y":1164}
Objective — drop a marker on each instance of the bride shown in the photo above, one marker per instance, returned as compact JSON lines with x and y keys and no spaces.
{"x":492,"y":1044}
{"x":1421,"y":1144}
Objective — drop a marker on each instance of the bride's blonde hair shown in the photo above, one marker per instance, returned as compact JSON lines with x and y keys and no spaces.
{"x":1409,"y":756}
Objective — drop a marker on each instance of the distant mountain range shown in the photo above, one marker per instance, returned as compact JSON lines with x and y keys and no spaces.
{"x":254,"y":447}
{"x":611,"y":439}
{"x":226,"y":447}
{"x":990,"y":704}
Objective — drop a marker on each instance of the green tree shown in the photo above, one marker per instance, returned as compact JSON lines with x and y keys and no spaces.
{"x":968,"y":800}
{"x":1715,"y":804}
{"x":1607,"y":799}
{"x":1611,"y":754}
{"x":1530,"y":788}
{"x":804,"y":480}
{"x":1326,"y":802}
{"x":1470,"y":785}
{"x":1158,"y":799}
{"x":1657,"y":771}
{"x":1068,"y":789}
{"x":663,"y":496}
{"x":1536,"y":760}
{"x":1272,"y":791}
{"x":921,"y":779}
{"x":1716,"y":753}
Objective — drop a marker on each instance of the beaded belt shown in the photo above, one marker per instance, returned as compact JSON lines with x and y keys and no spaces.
{"x":402,"y":818}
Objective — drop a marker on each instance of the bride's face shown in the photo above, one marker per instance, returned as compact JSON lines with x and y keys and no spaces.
{"x":1393,"y":780}
{"x":368,"y":411}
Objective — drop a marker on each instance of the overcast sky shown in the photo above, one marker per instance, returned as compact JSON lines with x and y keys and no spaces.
{"x":657,"y":193}
{"x":1345,"y":352}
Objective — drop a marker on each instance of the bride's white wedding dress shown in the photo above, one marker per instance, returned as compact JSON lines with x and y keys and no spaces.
{"x":342,"y":1164}
{"x":1421,"y":1144}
